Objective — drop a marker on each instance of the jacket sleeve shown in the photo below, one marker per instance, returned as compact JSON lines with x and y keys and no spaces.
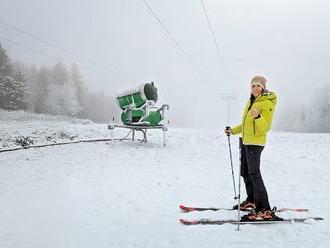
{"x":237,"y":129}
{"x":264,"y":122}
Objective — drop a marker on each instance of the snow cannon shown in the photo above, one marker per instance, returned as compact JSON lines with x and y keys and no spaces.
{"x":138,"y":96}
{"x":138,"y":106}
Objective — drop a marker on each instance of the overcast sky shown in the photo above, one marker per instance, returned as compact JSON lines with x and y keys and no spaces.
{"x":287,"y":41}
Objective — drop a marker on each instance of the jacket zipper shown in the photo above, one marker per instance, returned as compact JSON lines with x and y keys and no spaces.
{"x":254,"y":125}
{"x":243,"y":124}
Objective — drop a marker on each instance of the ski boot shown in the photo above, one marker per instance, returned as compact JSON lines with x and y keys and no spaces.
{"x":245,"y":206}
{"x":263,"y":215}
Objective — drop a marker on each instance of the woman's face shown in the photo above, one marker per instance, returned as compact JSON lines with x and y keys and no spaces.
{"x":256,"y":89}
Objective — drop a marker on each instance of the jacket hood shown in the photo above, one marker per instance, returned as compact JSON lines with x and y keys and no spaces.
{"x":269,"y":95}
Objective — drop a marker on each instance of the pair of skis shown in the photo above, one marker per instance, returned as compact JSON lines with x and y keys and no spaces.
{"x":221,"y":222}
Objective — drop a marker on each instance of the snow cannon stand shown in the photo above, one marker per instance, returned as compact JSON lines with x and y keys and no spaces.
{"x":139,"y":111}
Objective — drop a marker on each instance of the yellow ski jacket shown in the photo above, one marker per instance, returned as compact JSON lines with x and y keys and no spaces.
{"x":254,"y":131}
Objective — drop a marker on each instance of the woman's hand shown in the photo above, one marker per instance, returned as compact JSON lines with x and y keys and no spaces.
{"x":228,"y":131}
{"x":255,"y":113}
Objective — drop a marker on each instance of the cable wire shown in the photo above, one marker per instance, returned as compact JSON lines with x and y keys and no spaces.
{"x":101,"y":67}
{"x":172,"y":38}
{"x":40,"y":52}
{"x":26,"y":47}
{"x":214,"y":39}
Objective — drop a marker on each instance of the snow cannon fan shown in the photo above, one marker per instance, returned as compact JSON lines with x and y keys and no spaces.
{"x":138,"y":106}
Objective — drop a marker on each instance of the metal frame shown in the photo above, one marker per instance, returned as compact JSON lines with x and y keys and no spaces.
{"x":146,"y":110}
{"x":143,"y":126}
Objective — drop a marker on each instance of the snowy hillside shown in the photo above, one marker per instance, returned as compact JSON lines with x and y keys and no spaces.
{"x":127,"y":194}
{"x":39,"y":129}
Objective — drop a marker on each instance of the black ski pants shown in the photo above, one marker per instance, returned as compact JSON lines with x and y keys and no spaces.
{"x":250,"y":171}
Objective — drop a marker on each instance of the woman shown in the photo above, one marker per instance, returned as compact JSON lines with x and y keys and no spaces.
{"x":256,"y":122}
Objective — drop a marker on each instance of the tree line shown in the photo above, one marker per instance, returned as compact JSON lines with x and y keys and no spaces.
{"x":55,"y":90}
{"x":311,"y":116}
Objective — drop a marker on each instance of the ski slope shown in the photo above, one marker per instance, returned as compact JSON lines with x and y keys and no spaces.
{"x":128,"y":194}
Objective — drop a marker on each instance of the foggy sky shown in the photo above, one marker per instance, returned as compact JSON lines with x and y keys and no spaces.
{"x":286,"y":41}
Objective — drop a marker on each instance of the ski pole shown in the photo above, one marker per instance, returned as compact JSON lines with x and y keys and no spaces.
{"x":239,"y":186}
{"x":231,"y":163}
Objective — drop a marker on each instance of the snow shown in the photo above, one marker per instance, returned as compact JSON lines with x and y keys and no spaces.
{"x":128,"y":194}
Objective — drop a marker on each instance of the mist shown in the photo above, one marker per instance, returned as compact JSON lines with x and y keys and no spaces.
{"x":118,"y":44}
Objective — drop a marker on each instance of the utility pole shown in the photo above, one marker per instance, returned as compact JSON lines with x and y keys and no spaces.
{"x":228,"y":97}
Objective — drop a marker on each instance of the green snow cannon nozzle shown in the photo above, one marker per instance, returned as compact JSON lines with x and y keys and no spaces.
{"x":138,"y":96}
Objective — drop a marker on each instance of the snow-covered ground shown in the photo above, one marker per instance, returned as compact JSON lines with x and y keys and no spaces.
{"x":127,"y":194}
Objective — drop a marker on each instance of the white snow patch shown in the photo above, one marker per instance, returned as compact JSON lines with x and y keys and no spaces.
{"x":128,"y":194}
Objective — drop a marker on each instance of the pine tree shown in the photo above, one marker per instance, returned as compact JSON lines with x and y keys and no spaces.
{"x":5,"y":71}
{"x":12,"y":85}
{"x":62,"y":93}
{"x":5,"y":65}
{"x":20,"y":85}
{"x":32,"y":89}
{"x":44,"y":78}
{"x":324,"y":96}
{"x":7,"y":84}
{"x":60,"y":74}
{"x":81,"y":91}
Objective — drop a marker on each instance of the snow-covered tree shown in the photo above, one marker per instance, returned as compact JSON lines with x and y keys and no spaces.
{"x":317,"y":116}
{"x":81,"y":90}
{"x":60,"y":74}
{"x":105,"y":106}
{"x":5,"y":65}
{"x":44,"y":78}
{"x":62,"y":92}
{"x":12,"y":84}
{"x":31,"y":93}
{"x":21,"y":89}
{"x":53,"y":90}
{"x":62,"y":100}
{"x":322,"y":110}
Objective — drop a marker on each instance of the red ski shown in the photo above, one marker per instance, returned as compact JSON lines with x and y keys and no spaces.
{"x":244,"y":222}
{"x":191,"y":209}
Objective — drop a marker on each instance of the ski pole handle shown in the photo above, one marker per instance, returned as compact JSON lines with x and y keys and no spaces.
{"x":228,"y":129}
